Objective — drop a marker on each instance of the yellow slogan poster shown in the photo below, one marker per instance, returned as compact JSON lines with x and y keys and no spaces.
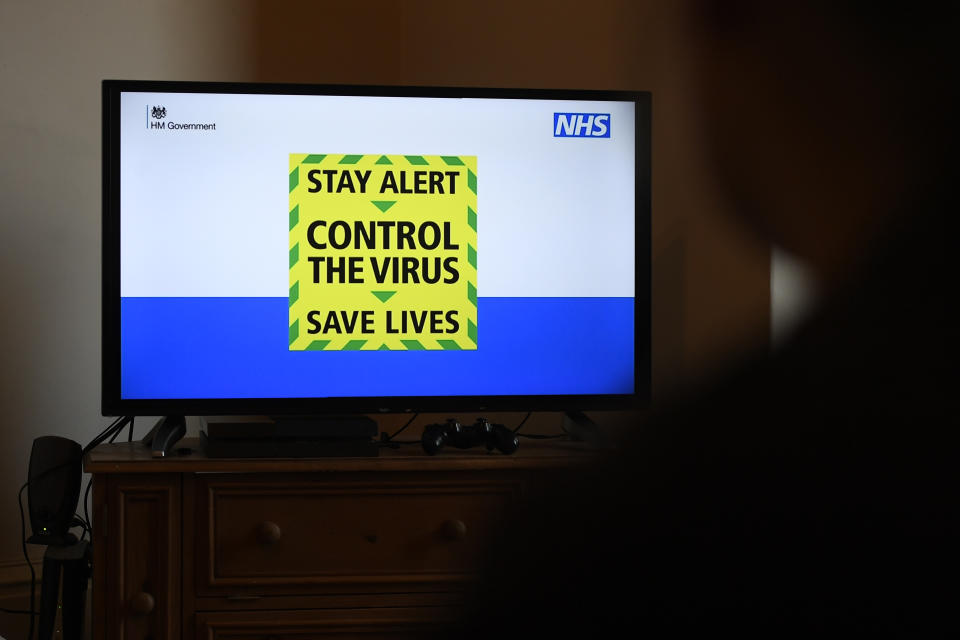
{"x":383,"y":252}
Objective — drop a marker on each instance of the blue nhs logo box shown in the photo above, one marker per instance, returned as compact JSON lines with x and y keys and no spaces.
{"x":581,"y":125}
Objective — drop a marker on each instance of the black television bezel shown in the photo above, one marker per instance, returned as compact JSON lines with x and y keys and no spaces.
{"x":112,"y":404}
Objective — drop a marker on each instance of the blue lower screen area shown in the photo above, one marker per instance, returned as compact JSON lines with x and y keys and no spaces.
{"x":237,"y":348}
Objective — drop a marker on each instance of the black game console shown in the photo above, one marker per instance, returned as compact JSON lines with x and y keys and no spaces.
{"x":289,"y":437}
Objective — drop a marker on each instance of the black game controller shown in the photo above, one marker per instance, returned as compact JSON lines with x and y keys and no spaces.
{"x":482,"y":432}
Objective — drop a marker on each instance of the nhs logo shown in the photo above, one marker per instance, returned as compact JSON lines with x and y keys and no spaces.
{"x":581,"y":125}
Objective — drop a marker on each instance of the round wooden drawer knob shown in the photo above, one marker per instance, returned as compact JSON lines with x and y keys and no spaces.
{"x":454,"y":530}
{"x":142,"y":603}
{"x":269,"y":533}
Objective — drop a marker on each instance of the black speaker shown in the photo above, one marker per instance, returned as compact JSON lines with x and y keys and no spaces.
{"x":54,"y":475}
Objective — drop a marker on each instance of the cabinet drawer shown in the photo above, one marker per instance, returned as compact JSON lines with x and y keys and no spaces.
{"x":287,"y":537}
{"x":306,"y":625}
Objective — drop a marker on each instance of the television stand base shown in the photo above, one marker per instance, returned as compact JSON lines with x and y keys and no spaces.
{"x":164,"y":435}
{"x":582,"y":428}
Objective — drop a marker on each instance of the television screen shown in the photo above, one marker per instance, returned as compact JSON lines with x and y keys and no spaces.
{"x":278,"y":249}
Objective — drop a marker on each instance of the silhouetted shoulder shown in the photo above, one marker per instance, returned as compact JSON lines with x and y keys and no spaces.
{"x":808,"y":491}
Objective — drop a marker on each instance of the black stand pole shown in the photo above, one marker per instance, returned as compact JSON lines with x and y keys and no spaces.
{"x":74,"y":562}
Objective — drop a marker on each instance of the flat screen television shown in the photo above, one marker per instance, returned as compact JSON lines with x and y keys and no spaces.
{"x":277,"y":249}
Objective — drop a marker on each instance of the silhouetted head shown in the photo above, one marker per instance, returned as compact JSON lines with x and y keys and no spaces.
{"x":827,"y":121}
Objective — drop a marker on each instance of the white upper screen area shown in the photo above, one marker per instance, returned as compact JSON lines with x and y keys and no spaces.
{"x":204,"y":211}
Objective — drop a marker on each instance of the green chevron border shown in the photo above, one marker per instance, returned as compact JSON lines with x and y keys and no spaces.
{"x":421,"y":343}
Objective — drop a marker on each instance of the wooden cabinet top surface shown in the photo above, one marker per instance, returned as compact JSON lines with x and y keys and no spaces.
{"x":135,"y":458}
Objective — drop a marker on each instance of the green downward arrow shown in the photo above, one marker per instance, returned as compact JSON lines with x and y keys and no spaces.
{"x":383,"y":296}
{"x":383,"y":205}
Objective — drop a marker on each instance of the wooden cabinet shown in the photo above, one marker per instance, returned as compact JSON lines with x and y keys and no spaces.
{"x":190,"y":547}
